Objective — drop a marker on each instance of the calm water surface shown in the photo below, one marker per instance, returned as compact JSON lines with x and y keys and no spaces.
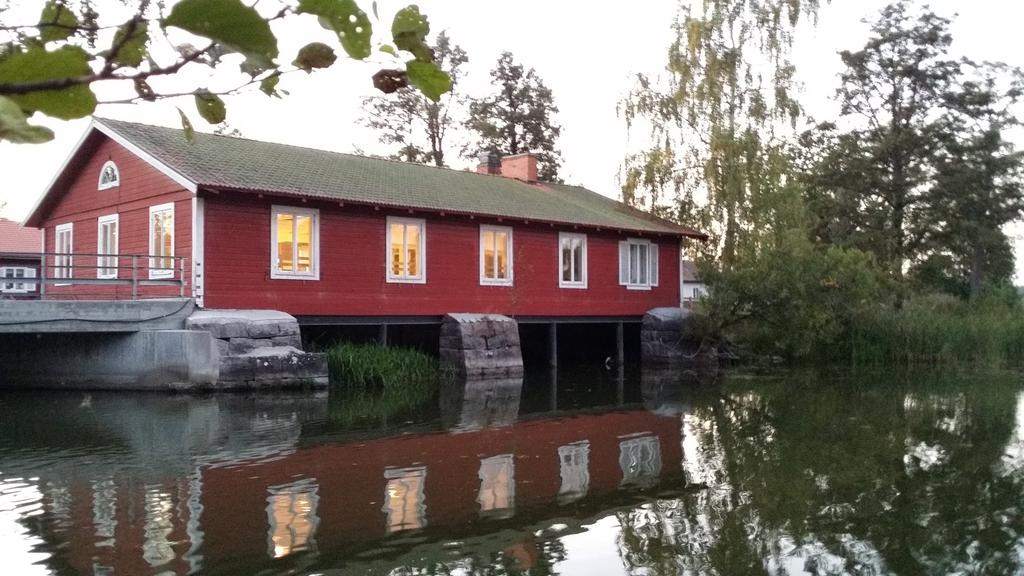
{"x":788,"y":473}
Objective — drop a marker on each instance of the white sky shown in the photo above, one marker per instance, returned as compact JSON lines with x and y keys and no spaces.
{"x":585,"y":52}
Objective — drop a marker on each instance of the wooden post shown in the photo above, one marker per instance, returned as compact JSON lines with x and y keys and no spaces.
{"x":42,"y":279}
{"x":382,"y":335}
{"x":620,"y":345}
{"x":553,"y":391}
{"x":553,"y":345}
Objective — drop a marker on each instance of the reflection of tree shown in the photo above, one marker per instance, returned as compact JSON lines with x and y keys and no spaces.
{"x":855,"y":476}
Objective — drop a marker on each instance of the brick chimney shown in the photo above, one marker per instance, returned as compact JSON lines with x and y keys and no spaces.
{"x":490,"y":163}
{"x":520,"y":166}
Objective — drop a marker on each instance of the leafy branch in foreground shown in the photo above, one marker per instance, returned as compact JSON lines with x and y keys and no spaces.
{"x":50,"y":66}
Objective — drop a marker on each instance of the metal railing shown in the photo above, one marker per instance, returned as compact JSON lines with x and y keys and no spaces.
{"x":62,"y":269}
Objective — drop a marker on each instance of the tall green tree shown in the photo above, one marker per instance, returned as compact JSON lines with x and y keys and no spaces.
{"x":979,"y":180}
{"x":416,"y":125}
{"x":49,"y":66}
{"x":718,"y":128}
{"x":519,"y":116}
{"x":873,"y":182}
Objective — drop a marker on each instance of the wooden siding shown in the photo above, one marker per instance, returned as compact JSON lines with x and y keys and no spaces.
{"x":352,"y":267}
{"x":141,"y":186}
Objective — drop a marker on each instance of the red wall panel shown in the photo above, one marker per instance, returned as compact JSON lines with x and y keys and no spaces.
{"x":141,"y":186}
{"x":352,"y":267}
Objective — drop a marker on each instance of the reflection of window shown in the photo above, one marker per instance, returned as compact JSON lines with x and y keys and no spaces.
{"x":497,"y":485}
{"x":109,"y":176}
{"x":291,"y":512}
{"x":496,"y":255}
{"x":161,"y":241}
{"x":638,"y":264}
{"x":106,"y":245}
{"x":574,"y":461}
{"x":640,"y":460}
{"x":404,"y":502}
{"x":12,"y":279}
{"x":63,"y":246}
{"x":295,"y":236}
{"x":156,"y":547}
{"x":104,"y":511}
{"x":572,"y":258}
{"x":406,"y":259}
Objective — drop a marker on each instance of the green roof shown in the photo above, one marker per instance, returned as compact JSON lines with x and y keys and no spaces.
{"x":223,"y":162}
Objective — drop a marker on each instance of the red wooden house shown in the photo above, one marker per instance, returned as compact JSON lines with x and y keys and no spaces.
{"x":19,"y":260}
{"x":315,"y":233}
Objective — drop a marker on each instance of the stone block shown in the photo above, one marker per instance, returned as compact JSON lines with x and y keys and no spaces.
{"x":293,"y":340}
{"x":238,"y":346}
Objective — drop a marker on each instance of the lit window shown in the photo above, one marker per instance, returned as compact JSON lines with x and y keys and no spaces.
{"x":295,"y":241}
{"x":106,"y":247}
{"x":109,"y":176}
{"x":497,"y":495}
{"x":157,"y":547}
{"x":640,"y":460}
{"x":572,"y":260}
{"x":406,"y":253}
{"x":574,"y":461}
{"x":12,"y":280}
{"x":638,"y":264}
{"x":496,"y":255}
{"x":292,"y":515}
{"x":403,"y":499}
{"x":161,"y":241}
{"x":63,"y":246}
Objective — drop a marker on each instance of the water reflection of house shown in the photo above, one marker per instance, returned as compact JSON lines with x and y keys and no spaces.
{"x":367,"y":490}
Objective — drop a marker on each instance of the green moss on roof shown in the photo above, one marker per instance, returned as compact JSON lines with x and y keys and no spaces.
{"x":214,"y":161}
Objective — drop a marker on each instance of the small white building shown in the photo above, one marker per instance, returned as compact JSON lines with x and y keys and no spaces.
{"x":692,"y":289}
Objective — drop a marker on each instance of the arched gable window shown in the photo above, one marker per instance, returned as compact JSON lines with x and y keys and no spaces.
{"x":109,"y":176}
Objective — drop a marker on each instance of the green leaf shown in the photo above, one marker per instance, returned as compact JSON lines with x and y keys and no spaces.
{"x":269,"y":84}
{"x":230,"y":23}
{"x":211,"y":107}
{"x":409,"y":31}
{"x":315,"y":55}
{"x":144,"y":90}
{"x":346,"y":19}
{"x":57,"y":22}
{"x":133,"y":51}
{"x":186,"y":125}
{"x":387,"y":48}
{"x":428,"y":78}
{"x":40,"y":66}
{"x":14,"y":127}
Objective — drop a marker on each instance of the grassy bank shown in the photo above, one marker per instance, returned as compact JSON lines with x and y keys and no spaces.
{"x":939,"y":331}
{"x":369,"y":381}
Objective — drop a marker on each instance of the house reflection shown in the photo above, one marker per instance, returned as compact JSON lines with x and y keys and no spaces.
{"x":292,"y":514}
{"x":404,"y":501}
{"x":497,"y":494}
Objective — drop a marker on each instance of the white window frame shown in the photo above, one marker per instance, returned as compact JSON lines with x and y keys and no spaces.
{"x":63,"y":266}
{"x":101,"y":185}
{"x":562,"y":283}
{"x":103,"y":268}
{"x":27,"y":273}
{"x":626,"y":266}
{"x":275,"y":272}
{"x":421,"y":278}
{"x":154,"y":272}
{"x":484,"y":280}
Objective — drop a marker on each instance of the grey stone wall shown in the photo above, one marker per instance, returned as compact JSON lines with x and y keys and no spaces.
{"x":481,"y":346}
{"x":667,"y":337}
{"x":260,"y":349}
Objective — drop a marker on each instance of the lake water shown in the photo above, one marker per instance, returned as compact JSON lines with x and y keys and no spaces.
{"x":784,"y":473}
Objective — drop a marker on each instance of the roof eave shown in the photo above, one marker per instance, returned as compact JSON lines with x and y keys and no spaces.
{"x":679,"y":232}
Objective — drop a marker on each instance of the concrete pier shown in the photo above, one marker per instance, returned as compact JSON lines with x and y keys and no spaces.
{"x":481,"y":346}
{"x":667,"y":337}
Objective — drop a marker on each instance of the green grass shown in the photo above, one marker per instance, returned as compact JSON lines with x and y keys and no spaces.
{"x":933,"y":330}
{"x":369,"y":381}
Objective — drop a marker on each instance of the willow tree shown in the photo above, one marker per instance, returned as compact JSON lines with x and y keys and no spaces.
{"x":715,"y":126}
